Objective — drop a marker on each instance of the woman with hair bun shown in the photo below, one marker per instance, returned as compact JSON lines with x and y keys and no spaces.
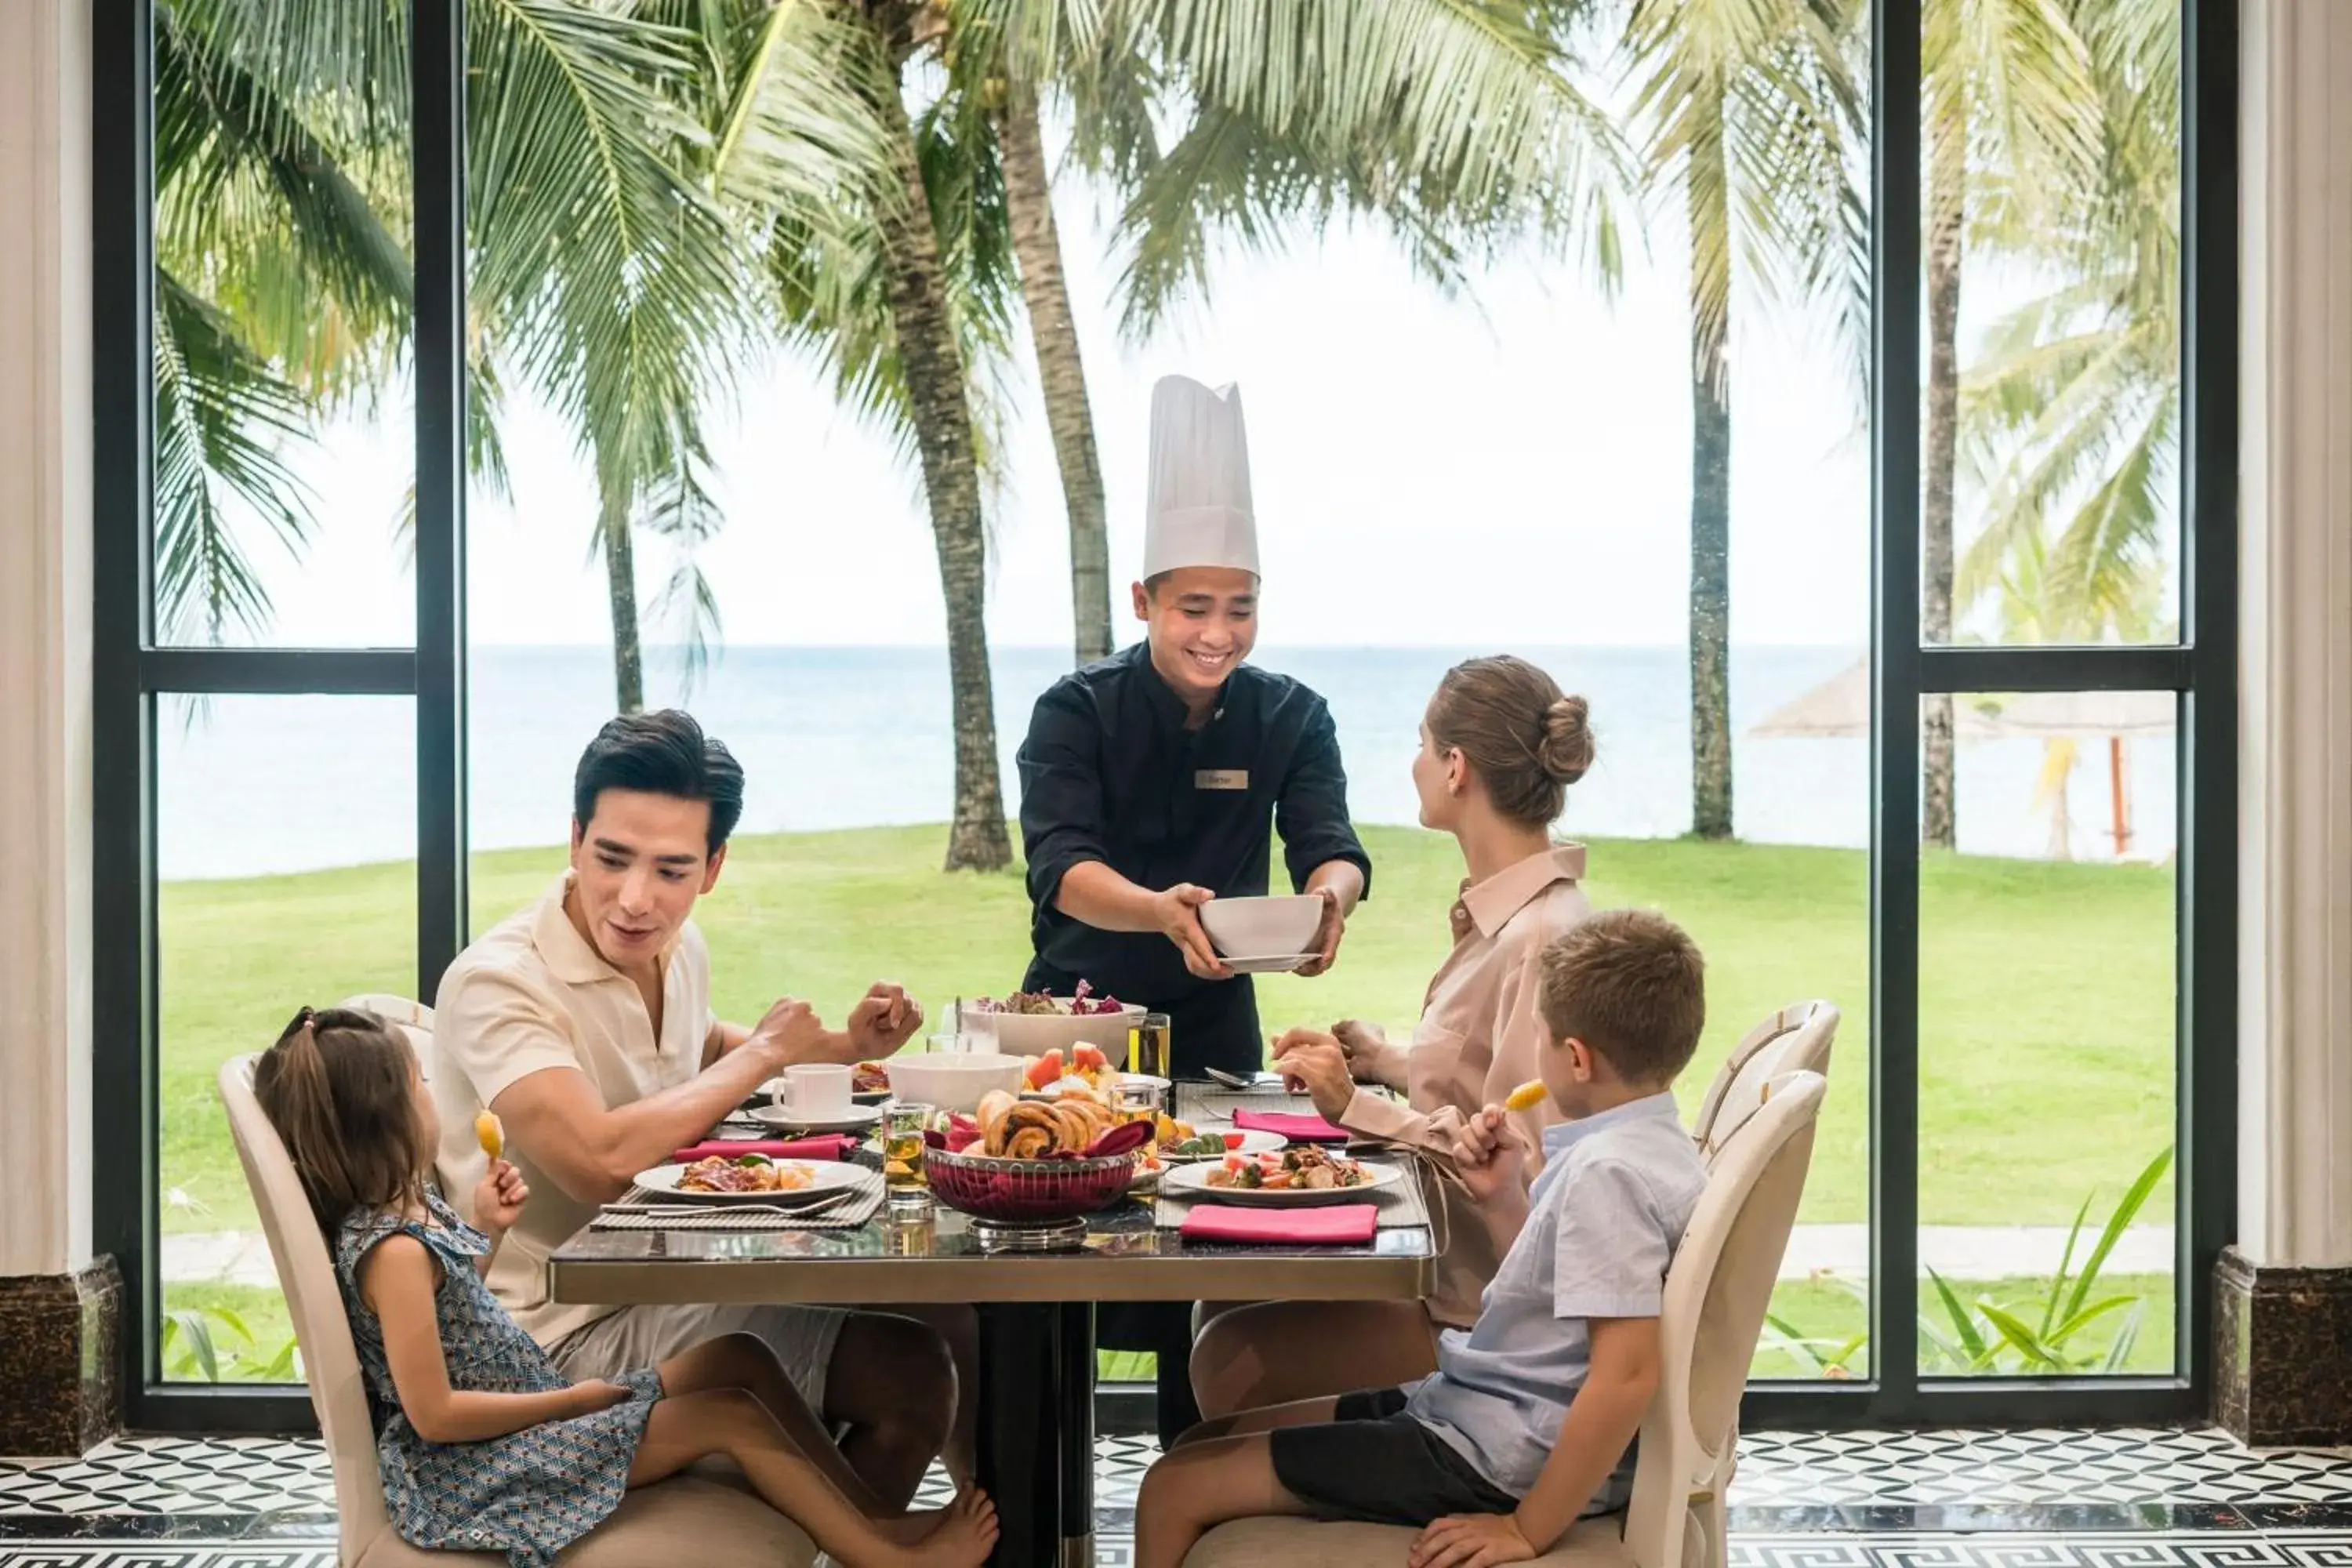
{"x":1500,"y":743}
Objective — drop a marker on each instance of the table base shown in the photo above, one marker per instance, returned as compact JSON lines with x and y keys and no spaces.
{"x":1037,"y":1431}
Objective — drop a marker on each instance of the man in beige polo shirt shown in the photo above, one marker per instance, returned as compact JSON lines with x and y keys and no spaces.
{"x":585,"y":1022}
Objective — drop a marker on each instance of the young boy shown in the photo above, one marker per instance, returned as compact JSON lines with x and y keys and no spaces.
{"x":1527,"y":1423}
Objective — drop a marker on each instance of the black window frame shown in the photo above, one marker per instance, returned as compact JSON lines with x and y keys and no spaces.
{"x":131,"y":672}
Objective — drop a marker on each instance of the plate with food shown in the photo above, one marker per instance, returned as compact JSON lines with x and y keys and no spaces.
{"x":869,"y":1082}
{"x":1300,"y":1178}
{"x":751,"y":1178}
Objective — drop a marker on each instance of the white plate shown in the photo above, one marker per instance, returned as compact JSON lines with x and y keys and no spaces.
{"x":858,"y":1119}
{"x":1253,"y":1142}
{"x":1282,"y":966}
{"x":832,"y":1176}
{"x":1192,"y":1182}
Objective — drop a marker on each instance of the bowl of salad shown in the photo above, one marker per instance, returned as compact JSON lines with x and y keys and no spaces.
{"x":1030,"y":1024}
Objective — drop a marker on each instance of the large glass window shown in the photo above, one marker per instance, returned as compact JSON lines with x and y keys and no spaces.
{"x":1904,"y":703}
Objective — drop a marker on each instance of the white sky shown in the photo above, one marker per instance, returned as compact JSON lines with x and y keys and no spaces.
{"x":1426,"y":471}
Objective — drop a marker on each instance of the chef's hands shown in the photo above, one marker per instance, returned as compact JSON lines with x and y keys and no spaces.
{"x":1312,"y":1060}
{"x":884,"y":1018}
{"x":1488,"y":1154}
{"x":1178,"y":912}
{"x":1326,"y":945}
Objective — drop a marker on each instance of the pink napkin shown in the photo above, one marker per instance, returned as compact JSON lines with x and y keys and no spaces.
{"x":833,"y":1146}
{"x":1289,"y":1125}
{"x":1342,"y":1224}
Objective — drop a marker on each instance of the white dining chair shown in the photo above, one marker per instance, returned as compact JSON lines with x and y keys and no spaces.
{"x":1716,"y":1293}
{"x":413,"y":1019}
{"x":1795,"y":1039}
{"x":708,"y":1516}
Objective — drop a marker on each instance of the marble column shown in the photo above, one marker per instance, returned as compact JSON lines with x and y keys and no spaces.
{"x":2285,"y":1292}
{"x":60,"y":1307}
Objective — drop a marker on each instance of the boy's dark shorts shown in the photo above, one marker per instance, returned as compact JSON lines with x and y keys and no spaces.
{"x":1371,"y":1461}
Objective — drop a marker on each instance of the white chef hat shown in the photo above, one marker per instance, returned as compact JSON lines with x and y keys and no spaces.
{"x":1199,"y":512}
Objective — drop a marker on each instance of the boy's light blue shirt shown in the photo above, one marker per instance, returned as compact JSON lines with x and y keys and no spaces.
{"x":1605,"y":1217}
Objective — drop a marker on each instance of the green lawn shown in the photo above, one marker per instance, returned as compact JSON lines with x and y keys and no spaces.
{"x":2047,"y":989}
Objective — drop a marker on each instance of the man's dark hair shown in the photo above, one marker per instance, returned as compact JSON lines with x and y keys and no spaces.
{"x":661,"y":753}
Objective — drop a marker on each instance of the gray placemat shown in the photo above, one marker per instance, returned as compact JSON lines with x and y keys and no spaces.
{"x":1400,"y":1207}
{"x":847,"y":1215}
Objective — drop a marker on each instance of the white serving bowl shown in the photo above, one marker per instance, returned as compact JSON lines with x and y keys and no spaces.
{"x":1261,"y":928}
{"x":1034,"y":1034}
{"x":953,"y":1080}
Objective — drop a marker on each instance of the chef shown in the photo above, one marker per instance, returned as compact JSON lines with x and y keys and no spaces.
{"x":1149,"y":780}
{"x":1150,"y":783}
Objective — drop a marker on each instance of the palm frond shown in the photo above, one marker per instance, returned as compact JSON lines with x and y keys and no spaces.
{"x":221,"y":416}
{"x":255,"y":209}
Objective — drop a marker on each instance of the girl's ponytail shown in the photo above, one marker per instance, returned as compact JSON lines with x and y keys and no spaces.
{"x":337,"y":1087}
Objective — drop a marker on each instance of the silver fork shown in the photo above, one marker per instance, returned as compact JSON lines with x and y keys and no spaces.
{"x":682,"y":1211}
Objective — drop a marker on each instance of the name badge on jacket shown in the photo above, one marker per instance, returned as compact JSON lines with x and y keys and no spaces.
{"x":1220,"y":778}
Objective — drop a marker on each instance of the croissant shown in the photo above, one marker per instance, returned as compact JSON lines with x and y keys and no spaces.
{"x":993,"y":1107}
{"x":1069,"y":1126}
{"x":1030,"y":1143}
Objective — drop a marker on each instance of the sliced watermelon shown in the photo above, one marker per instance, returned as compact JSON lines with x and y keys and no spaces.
{"x":1088,"y":1058}
{"x":1234,"y":1139}
{"x":1045,"y":1070}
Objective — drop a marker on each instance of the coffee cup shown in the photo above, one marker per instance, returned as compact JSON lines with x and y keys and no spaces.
{"x":814,"y":1091}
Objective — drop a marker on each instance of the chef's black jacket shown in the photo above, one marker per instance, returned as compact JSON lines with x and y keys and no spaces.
{"x":1109,"y":772}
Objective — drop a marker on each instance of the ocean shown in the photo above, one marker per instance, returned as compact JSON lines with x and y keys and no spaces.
{"x":833,"y":737}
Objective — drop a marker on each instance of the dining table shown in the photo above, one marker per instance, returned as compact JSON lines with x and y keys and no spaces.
{"x":1036,"y":1310}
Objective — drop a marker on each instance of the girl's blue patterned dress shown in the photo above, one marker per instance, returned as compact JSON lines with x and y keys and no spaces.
{"x":529,"y":1494}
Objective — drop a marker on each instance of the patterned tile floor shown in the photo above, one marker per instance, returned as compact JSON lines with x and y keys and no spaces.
{"x":2115,"y":1498}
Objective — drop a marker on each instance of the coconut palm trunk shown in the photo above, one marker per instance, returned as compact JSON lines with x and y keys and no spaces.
{"x":1709,"y":191}
{"x":1037,"y":249}
{"x":937,"y":394}
{"x":621,"y":588}
{"x":1947,"y":173}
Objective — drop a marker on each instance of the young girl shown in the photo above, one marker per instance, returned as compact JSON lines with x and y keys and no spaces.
{"x":483,"y":1444}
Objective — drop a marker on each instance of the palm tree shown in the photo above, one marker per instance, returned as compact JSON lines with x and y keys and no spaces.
{"x":1748,"y":109}
{"x":599,"y":276}
{"x":2073,"y":410}
{"x":1061,"y":370}
{"x":2011,"y":131}
{"x":900,"y":285}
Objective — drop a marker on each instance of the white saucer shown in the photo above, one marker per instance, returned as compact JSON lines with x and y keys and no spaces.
{"x":1270,"y":966}
{"x":857,"y":1119}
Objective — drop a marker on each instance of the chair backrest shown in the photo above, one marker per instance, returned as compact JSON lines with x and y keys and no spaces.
{"x":1795,"y":1039}
{"x":1717,"y":1292}
{"x":412,"y":1020}
{"x":307,"y":1274}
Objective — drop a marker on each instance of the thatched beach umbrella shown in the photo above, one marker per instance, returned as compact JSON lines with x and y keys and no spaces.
{"x":1840,"y":707}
